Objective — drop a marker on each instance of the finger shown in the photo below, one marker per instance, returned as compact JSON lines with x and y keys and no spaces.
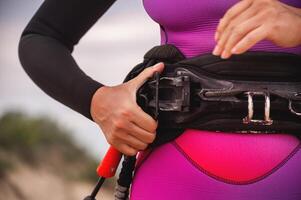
{"x":138,"y":81}
{"x":228,"y":30}
{"x":126,"y":149}
{"x":239,"y":32}
{"x":141,"y":134}
{"x":250,"y":40}
{"x":127,"y":138}
{"x":230,"y":14}
{"x":143,"y":120}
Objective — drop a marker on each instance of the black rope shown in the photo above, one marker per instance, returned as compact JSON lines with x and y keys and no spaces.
{"x":101,"y":180}
{"x":125,"y":178}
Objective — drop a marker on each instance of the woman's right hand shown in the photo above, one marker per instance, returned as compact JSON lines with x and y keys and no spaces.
{"x":125,"y":125}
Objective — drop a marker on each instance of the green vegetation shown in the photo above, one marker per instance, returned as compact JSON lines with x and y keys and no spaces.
{"x":40,"y":142}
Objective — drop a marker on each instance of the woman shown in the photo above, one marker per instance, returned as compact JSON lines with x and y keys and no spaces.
{"x":198,"y":164}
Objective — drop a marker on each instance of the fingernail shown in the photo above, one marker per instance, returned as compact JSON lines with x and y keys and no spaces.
{"x":216,"y":50}
{"x":157,"y":65}
{"x":234,"y":50}
{"x":224,"y":55}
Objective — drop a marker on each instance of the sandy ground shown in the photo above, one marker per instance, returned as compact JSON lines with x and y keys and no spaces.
{"x":26,"y":183}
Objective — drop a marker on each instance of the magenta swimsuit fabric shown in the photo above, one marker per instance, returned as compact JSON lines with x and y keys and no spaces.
{"x":213,"y":165}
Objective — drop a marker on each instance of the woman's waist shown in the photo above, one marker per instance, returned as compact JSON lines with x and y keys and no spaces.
{"x":238,"y":158}
{"x":237,"y":155}
{"x":209,"y":93}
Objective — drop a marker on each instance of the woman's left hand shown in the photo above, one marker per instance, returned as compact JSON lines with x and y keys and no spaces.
{"x":250,"y":21}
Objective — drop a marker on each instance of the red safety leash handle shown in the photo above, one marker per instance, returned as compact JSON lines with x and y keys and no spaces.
{"x":108,"y":166}
{"x":106,"y":169}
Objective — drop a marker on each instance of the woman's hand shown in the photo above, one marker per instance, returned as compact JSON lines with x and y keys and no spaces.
{"x":251,"y":21}
{"x":125,"y":125}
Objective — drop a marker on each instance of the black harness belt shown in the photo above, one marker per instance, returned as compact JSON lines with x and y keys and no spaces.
{"x":252,"y":92}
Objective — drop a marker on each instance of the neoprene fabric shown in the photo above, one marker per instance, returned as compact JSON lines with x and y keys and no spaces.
{"x":211,"y":165}
{"x":169,"y":174}
{"x":46,"y":45}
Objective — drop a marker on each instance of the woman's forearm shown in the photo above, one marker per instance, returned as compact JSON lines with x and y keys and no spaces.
{"x":46,"y":45}
{"x":51,"y":66}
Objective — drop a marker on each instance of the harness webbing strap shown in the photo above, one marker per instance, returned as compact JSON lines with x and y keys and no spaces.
{"x":254,"y":91}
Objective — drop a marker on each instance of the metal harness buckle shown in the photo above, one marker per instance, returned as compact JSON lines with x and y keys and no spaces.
{"x":179,"y":86}
{"x":267,"y":107}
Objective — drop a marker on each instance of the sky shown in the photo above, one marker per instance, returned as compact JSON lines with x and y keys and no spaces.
{"x":115,"y":44}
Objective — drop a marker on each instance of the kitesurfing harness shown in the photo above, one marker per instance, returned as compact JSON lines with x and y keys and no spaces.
{"x":248,"y":93}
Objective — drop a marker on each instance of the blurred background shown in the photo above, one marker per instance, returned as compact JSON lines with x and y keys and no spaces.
{"x":48,"y":151}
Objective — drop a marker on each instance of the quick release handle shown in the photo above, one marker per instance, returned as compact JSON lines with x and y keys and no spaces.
{"x":108,"y":166}
{"x":106,"y":169}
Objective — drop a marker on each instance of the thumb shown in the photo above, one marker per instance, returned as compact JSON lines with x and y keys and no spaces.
{"x":138,"y":81}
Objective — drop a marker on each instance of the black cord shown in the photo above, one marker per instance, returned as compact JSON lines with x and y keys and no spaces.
{"x":125,"y":178}
{"x":100,"y":181}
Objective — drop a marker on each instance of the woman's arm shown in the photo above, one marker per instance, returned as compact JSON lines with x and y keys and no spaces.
{"x":46,"y":45}
{"x":45,"y":53}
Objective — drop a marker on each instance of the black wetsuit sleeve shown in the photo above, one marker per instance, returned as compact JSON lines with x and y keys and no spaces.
{"x":46,"y":45}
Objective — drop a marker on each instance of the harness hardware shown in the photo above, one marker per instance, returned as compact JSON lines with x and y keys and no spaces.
{"x":178,"y":87}
{"x":290,"y":106}
{"x":267,"y":107}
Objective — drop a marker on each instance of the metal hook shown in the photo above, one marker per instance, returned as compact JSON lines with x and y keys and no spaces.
{"x":267,"y":108}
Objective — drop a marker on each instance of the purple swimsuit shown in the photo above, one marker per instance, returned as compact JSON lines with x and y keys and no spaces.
{"x":210,"y":165}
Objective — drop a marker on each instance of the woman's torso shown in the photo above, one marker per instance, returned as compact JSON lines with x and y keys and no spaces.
{"x":190,"y":25}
